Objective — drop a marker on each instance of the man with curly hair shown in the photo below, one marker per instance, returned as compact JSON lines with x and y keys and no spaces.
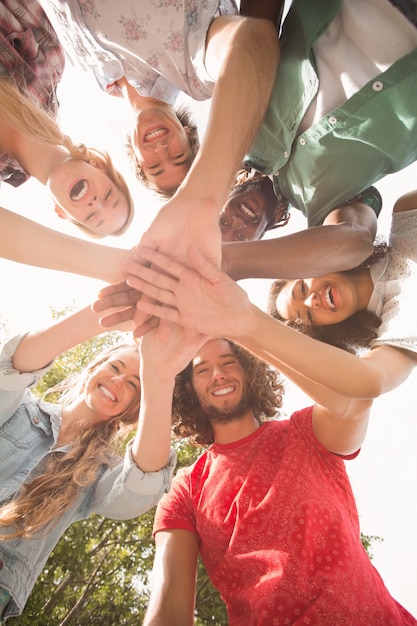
{"x":268,"y":505}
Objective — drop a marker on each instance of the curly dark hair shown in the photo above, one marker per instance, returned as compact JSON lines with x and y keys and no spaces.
{"x":264,"y":385}
{"x":186,"y":119}
{"x":352,"y":334}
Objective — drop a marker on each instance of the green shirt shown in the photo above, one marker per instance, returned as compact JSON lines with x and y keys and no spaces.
{"x":374,"y":133}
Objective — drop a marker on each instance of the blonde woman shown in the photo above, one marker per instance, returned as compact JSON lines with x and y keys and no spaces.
{"x":83,"y":182}
{"x":59,"y":462}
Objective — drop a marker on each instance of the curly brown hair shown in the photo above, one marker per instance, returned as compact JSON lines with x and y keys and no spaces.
{"x":265,"y":389}
{"x":352,"y":334}
{"x":185,"y":117}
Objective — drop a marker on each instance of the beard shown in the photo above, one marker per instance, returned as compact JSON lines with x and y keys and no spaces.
{"x":229,"y":412}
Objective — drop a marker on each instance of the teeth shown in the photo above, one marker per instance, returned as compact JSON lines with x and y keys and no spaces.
{"x":107,"y":393}
{"x":222,"y":392}
{"x":247,"y":210}
{"x":79,"y":190}
{"x":328,"y":296}
{"x":154,"y":134}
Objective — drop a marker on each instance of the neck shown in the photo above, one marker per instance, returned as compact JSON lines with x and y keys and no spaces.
{"x":137,"y":102}
{"x":364,"y":287}
{"x":236,"y":429}
{"x":72,"y":415}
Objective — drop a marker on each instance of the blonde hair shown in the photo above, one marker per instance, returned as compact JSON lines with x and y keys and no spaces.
{"x":26,"y":114}
{"x":43,"y":500}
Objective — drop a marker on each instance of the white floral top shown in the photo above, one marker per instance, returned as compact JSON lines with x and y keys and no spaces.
{"x":399,"y":285}
{"x":157,"y":44}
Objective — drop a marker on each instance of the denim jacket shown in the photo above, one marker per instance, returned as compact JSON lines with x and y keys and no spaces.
{"x":29,"y":429}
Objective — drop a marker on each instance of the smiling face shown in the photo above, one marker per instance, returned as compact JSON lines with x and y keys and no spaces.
{"x":219,"y":382}
{"x":113,"y":386}
{"x":323,"y":300}
{"x":162,"y":146}
{"x":251,"y":208}
{"x":87,"y":196}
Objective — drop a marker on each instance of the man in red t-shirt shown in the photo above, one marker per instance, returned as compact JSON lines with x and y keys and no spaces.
{"x":268,"y":505}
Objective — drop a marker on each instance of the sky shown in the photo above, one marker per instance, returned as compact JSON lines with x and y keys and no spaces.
{"x":383,"y":476}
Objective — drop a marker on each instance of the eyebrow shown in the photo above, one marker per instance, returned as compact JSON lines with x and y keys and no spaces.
{"x":221,"y":356}
{"x":175,"y":164}
{"x":124,"y":365}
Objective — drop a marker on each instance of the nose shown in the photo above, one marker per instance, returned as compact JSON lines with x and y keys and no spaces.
{"x":218,"y":373}
{"x":161,"y":147}
{"x":93,"y":201}
{"x":120,"y":378}
{"x":312,"y":301}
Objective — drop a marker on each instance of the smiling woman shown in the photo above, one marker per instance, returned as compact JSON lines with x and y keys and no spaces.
{"x":60,"y":462}
{"x":31,"y":143}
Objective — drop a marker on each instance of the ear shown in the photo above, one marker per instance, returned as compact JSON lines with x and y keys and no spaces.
{"x":98,"y":163}
{"x":60,"y":212}
{"x":188,"y":387}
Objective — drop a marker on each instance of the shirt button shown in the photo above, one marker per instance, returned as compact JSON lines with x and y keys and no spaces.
{"x":377,"y":85}
{"x":276,"y":173}
{"x":302,"y":141}
{"x":36,"y":420}
{"x":333,"y":120}
{"x":286,"y":154}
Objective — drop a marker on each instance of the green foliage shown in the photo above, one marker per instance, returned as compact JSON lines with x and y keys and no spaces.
{"x":367,"y":541}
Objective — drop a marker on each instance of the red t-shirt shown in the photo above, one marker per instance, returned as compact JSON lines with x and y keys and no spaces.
{"x":278,"y":531}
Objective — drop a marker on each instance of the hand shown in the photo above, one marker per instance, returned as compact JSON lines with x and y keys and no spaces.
{"x":167,"y":349}
{"x":202,"y":300}
{"x":183,"y":222}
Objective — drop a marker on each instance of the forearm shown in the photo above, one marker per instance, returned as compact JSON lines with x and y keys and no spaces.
{"x":39,"y":348}
{"x":242,"y":57}
{"x":304,"y":254}
{"x":268,"y":9}
{"x":151,"y":445}
{"x":25,"y":241}
{"x":325,"y":365}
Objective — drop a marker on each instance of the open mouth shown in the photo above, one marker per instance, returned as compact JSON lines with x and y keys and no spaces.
{"x":106,"y":392}
{"x":247,"y":212}
{"x":329,"y":298}
{"x":79,"y":190}
{"x":223,"y":391}
{"x":157,"y":133}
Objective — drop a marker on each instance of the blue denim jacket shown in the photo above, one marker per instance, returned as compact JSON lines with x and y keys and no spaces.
{"x":29,"y":429}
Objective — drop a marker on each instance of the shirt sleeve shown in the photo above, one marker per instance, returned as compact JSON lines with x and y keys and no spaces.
{"x":125,"y":491}
{"x":175,"y":510}
{"x":13,"y":383}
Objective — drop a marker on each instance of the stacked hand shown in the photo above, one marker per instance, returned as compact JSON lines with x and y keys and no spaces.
{"x":197,"y":296}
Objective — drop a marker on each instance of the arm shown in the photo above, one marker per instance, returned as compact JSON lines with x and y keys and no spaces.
{"x":173,"y":580}
{"x":164,"y":352}
{"x":269,"y":9}
{"x":38,"y":348}
{"x":209,"y":301}
{"x":242,"y":58}
{"x":28,"y":242}
{"x":343,"y":241}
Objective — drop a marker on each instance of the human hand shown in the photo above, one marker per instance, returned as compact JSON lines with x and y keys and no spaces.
{"x":202,"y":300}
{"x":182,"y":222}
{"x":167,"y":349}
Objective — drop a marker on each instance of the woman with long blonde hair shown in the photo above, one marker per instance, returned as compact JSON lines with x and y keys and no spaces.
{"x":60,"y":462}
{"x":83,"y":182}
